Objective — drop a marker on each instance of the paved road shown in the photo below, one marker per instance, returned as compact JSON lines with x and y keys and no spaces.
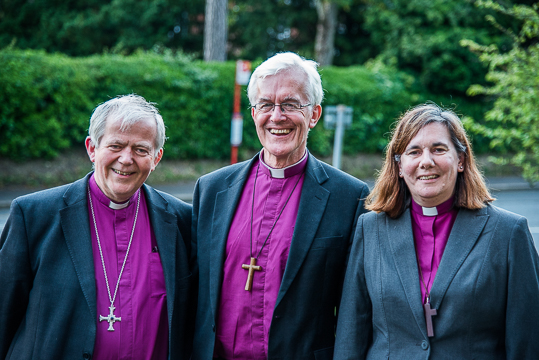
{"x":523,"y":202}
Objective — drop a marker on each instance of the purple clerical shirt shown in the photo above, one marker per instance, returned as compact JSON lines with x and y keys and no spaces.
{"x":431,"y":227}
{"x":244,"y":317}
{"x":141,"y":302}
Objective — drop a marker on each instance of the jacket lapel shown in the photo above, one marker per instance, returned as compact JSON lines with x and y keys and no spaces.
{"x":226,"y":202}
{"x":76,"y":227}
{"x":165,"y":229}
{"x":314,"y":198}
{"x":464,"y":234}
{"x":401,"y":240}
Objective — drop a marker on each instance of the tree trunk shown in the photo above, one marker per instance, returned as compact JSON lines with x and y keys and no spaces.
{"x":215,"y":30}
{"x":325,"y":31}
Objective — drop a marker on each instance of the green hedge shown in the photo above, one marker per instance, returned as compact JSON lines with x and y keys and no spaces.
{"x":47,"y":100}
{"x":45,"y":103}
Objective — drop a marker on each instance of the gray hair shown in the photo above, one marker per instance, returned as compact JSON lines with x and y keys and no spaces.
{"x":288,"y":61}
{"x":129,"y":109}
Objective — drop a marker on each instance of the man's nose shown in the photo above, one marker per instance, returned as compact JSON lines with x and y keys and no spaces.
{"x":126,"y":156}
{"x":277,"y":114}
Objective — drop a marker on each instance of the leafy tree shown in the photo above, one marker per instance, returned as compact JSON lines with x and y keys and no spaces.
{"x":512,"y":124}
{"x":353,"y":42}
{"x":423,"y":36}
{"x":260,"y":29}
{"x":215,"y":30}
{"x":325,"y":31}
{"x":78,"y":28}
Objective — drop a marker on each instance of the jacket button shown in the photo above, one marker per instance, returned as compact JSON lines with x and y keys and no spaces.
{"x":86,"y":355}
{"x":424,"y":345}
{"x":213,"y":327}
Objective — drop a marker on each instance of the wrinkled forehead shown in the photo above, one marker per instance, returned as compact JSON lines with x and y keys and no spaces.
{"x":121,"y":127}
{"x":289,"y":84}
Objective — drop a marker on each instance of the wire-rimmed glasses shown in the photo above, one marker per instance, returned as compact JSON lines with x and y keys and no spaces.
{"x":267,"y":107}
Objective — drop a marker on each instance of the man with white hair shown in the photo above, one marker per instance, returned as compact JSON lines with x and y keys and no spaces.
{"x":272,"y":234}
{"x":100,"y":267}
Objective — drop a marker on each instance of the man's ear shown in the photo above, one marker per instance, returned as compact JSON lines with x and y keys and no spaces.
{"x":157,"y":158}
{"x":90,"y":148}
{"x":317,"y":113}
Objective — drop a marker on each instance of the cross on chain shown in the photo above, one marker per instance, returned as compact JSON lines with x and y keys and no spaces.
{"x":111,"y":319}
{"x":429,"y":313}
{"x":252,"y":267}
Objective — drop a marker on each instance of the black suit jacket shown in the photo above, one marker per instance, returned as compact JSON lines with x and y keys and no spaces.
{"x":47,"y":279}
{"x":304,"y":320}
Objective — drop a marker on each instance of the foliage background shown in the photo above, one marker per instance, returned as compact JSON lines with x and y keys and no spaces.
{"x":512,"y":125}
{"x":48,"y":99}
{"x":59,"y":59}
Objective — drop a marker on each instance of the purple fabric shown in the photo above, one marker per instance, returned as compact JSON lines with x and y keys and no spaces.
{"x":245,"y":316}
{"x":141,"y":301}
{"x":430,"y":237}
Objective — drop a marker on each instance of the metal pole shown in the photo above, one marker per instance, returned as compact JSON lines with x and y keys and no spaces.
{"x":236,"y":115}
{"x":339,"y":134}
{"x":243,"y":71}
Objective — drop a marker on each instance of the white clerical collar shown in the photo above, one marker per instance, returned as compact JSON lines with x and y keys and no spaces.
{"x":432,"y":211}
{"x":280,"y":173}
{"x":116,"y":206}
{"x":103,"y":199}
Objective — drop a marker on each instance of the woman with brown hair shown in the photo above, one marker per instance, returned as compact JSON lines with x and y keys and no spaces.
{"x":435,"y":270}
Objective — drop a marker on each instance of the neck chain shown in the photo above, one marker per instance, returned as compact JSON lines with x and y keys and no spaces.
{"x":427,"y":294}
{"x":252,"y":266}
{"x":428,"y":311}
{"x":111,"y":318}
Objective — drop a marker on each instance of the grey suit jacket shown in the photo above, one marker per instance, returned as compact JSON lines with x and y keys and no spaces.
{"x":486,"y":291}
{"x":47,"y":281}
{"x":303,"y":321}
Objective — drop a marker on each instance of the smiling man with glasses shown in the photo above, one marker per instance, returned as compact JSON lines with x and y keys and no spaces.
{"x":272,"y":233}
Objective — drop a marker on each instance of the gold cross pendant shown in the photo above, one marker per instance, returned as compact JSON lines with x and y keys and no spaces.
{"x":252,"y":267}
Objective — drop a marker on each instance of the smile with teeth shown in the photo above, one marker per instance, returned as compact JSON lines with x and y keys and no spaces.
{"x":429,"y":177}
{"x":121,"y":173}
{"x":280,"y":131}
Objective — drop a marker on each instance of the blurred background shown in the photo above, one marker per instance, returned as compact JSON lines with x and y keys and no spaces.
{"x":60,"y":59}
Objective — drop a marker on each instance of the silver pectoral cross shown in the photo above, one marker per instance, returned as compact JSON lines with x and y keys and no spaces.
{"x":111,"y":319}
{"x":429,"y":313}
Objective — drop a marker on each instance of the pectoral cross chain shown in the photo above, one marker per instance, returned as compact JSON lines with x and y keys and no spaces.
{"x":252,"y":267}
{"x":111,"y":319}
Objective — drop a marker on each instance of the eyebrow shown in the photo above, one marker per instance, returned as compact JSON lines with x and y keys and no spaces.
{"x":115,"y":141}
{"x":286,"y":99}
{"x":143,"y":144}
{"x":439,"y":143}
{"x":290,"y":98}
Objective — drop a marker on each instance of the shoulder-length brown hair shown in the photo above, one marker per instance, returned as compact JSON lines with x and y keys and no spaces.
{"x":390,"y":193}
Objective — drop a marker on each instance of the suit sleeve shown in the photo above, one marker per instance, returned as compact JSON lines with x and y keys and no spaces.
{"x":194,"y":228}
{"x":354,"y":326}
{"x":359,"y":211}
{"x":15,"y":277}
{"x":522,"y":314}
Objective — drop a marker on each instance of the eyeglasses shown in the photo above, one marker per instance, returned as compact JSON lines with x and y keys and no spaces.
{"x":285,"y":107}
